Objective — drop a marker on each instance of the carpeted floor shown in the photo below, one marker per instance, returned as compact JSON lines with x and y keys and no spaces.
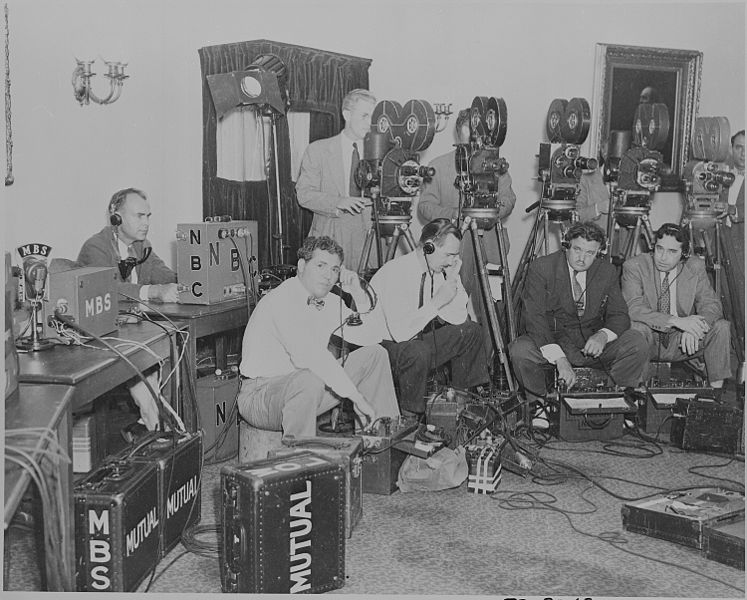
{"x":556,"y":536}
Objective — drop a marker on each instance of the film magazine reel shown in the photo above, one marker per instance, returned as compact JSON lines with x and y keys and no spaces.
{"x":391,"y":173}
{"x":479,"y":164}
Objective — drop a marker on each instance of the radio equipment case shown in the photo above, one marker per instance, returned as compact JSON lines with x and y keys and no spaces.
{"x":87,"y":295}
{"x":703,"y":424}
{"x":86,"y":454}
{"x":382,"y":458}
{"x":209,"y":259}
{"x":725,"y":543}
{"x":592,"y":416}
{"x":177,"y":458}
{"x":283,"y":525}
{"x":342,"y":450}
{"x":656,"y":413}
{"x":216,"y":399}
{"x":117,"y":518}
{"x":682,"y":517}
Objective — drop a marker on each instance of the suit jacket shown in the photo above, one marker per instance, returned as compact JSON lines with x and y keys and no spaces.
{"x":101,"y":250}
{"x":550,"y":313}
{"x":695,"y":294}
{"x":320,"y":185}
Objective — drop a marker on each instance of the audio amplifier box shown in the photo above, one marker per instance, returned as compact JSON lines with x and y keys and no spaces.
{"x":177,"y":458}
{"x":725,"y":543}
{"x":212,"y":259}
{"x":87,"y":295}
{"x":656,"y":412}
{"x":703,"y":424}
{"x":283,"y":525}
{"x":216,"y":402}
{"x":682,"y":516}
{"x":343,"y":450}
{"x":442,"y":410}
{"x":382,"y":458}
{"x":117,"y":517}
{"x":592,"y":416}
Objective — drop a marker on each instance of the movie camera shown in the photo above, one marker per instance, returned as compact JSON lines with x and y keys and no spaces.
{"x":634,"y":169}
{"x":390,"y":173}
{"x":561,"y":164}
{"x":704,"y":177}
{"x":478,"y":162}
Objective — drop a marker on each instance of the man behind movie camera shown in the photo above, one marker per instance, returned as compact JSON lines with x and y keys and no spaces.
{"x":140,"y":274}
{"x":674,"y":306}
{"x":575,"y":316}
{"x":289,"y":376}
{"x":326,"y":183}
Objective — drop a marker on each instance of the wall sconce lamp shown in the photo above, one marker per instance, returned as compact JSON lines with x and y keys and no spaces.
{"x":82,"y":82}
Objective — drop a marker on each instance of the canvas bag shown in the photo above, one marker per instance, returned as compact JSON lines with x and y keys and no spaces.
{"x":445,"y":469}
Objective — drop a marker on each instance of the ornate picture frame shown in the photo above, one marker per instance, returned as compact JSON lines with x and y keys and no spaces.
{"x":621,"y":73}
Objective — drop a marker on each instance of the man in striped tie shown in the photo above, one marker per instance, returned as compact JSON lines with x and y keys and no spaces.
{"x":673,"y":304}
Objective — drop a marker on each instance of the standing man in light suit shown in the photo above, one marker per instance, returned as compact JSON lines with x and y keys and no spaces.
{"x":326,"y":184}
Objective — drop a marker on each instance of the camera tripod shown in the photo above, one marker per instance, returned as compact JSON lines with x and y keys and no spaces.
{"x":629,"y":212}
{"x":699,"y":225}
{"x":390,"y":228}
{"x":471,"y":223}
{"x":549,"y":211}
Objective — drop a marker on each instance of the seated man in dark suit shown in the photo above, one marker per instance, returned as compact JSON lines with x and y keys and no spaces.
{"x":575,"y":316}
{"x":672,"y":303}
{"x":142,"y":275}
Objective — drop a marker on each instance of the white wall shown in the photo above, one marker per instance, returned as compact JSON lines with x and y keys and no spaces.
{"x":69,"y":159}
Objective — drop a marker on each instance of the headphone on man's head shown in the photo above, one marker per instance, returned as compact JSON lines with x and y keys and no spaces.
{"x":584,"y":230}
{"x":677,"y":233}
{"x":435,"y":230}
{"x":116,"y":203}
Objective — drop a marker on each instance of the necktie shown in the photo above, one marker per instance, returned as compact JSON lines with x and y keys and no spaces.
{"x":578,"y":295}
{"x":317,"y":303}
{"x":354,"y":160}
{"x":664,"y":306}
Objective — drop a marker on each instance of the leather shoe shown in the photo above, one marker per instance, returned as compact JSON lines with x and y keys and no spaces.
{"x":540,"y":419}
{"x":133,"y":432}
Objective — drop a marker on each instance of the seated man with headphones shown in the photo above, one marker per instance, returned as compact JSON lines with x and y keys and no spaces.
{"x":421,"y":314}
{"x":575,"y":316}
{"x":673,"y":304}
{"x":140,"y":273}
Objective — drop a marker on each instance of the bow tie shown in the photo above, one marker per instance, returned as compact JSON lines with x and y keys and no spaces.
{"x":317,"y":303}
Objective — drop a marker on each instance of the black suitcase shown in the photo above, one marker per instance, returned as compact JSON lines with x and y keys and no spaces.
{"x":283,"y":525}
{"x":725,"y":544}
{"x":681,"y":517}
{"x":178,"y":459}
{"x":703,"y":424}
{"x":598,"y":416}
{"x":117,"y":517}
{"x":343,"y":450}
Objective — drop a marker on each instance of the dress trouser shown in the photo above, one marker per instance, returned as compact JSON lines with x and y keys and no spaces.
{"x":715,"y":349}
{"x":290,"y":403}
{"x":624,"y":358}
{"x":411,"y":361}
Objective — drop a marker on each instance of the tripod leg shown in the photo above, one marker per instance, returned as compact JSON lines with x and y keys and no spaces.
{"x":392,"y":248}
{"x":409,"y":240}
{"x":648,"y":233}
{"x":363,"y":263}
{"x":487,"y":298}
{"x":508,"y":300}
{"x":527,"y":254}
{"x":717,"y":259}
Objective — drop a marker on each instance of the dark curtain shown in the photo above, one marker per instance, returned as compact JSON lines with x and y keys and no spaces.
{"x":317,"y":82}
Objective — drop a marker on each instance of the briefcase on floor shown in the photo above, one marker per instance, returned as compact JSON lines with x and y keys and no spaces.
{"x":343,"y":450}
{"x":682,"y":516}
{"x":725,"y":544}
{"x":592,"y":417}
{"x":283,"y":525}
{"x":703,"y":424}
{"x":178,"y":458}
{"x":117,"y":517}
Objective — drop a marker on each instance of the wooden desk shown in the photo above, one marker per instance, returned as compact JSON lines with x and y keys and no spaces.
{"x":42,"y":406}
{"x":203,"y":320}
{"x":95,"y":371}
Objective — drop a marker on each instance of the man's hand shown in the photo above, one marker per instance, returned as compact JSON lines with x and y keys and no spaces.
{"x":688,"y":343}
{"x":364,"y":410}
{"x":445,"y":294}
{"x":695,"y":325}
{"x":352,"y":205}
{"x":595,"y":345}
{"x":566,"y":372}
{"x":452,"y":272}
{"x":349,"y":281}
{"x":164,"y":292}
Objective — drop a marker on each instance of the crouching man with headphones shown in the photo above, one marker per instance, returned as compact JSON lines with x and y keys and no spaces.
{"x":574,"y":315}
{"x":673,"y":304}
{"x":422,"y":317}
{"x":141,"y":275}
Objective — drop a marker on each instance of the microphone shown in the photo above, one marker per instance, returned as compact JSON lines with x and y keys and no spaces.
{"x":35,"y":272}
